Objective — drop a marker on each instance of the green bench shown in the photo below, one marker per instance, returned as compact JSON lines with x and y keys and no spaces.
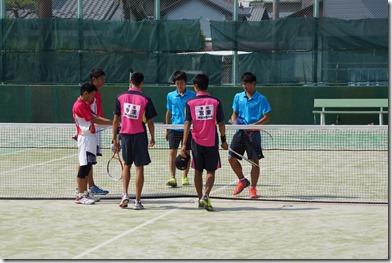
{"x":377,"y":105}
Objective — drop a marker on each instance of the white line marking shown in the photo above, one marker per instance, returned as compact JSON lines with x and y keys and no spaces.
{"x":123,"y":234}
{"x":37,"y":164}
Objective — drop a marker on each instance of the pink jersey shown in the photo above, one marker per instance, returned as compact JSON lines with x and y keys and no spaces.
{"x":205,"y":112}
{"x":133,"y":106}
{"x":82,"y":115}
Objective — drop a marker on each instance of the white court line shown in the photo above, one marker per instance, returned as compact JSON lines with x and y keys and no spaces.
{"x":38,"y":164}
{"x":123,"y":234}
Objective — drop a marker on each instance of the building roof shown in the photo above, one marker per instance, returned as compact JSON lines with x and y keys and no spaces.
{"x":92,"y":9}
{"x":259,"y":12}
{"x":222,"y":5}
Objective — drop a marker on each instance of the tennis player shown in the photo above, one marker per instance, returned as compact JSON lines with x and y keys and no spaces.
{"x":132,"y":107}
{"x":175,"y":105}
{"x":97,"y":77}
{"x":249,"y":107}
{"x":87,"y":141}
{"x":204,"y":111}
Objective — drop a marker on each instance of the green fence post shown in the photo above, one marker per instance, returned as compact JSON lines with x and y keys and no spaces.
{"x":235,"y":52}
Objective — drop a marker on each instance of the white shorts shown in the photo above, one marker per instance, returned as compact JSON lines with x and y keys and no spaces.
{"x":87,"y":149}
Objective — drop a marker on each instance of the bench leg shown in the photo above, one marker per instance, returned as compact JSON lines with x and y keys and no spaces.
{"x":322,"y":119}
{"x":380,"y":118}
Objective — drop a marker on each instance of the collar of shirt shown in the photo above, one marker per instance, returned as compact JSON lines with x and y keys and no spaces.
{"x":253,"y":96}
{"x":183,"y":94}
{"x":203,"y":93}
{"x":135,"y":89}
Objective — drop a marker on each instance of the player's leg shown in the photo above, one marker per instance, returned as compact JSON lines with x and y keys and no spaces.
{"x":139,"y":187}
{"x":86,"y":160}
{"x":126,"y":172}
{"x":254,"y":152}
{"x":237,"y":144}
{"x":185,"y":180}
{"x":174,"y":142}
{"x":94,"y":189}
{"x":141,"y":158}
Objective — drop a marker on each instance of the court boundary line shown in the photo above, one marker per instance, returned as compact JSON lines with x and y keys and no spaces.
{"x":123,"y":234}
{"x":38,"y":164}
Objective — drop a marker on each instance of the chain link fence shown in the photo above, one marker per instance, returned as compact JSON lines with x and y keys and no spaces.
{"x":219,"y":10}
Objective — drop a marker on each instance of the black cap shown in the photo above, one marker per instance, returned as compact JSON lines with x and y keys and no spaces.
{"x":182,"y":162}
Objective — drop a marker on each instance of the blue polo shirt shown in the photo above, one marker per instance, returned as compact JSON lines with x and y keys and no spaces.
{"x":252,"y":109}
{"x":175,"y":103}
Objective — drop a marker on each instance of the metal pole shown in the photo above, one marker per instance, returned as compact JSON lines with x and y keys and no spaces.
{"x":157,"y":9}
{"x":80,"y":9}
{"x":2,"y":7}
{"x":235,"y":52}
{"x":157,"y":17}
{"x":316,"y":8}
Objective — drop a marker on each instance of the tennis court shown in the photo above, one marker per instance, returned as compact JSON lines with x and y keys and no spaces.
{"x":323,"y":194}
{"x":174,"y":228}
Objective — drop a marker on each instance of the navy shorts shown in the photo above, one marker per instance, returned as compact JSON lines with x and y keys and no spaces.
{"x":204,"y":157}
{"x":249,"y":142}
{"x":175,"y":137}
{"x":135,"y":149}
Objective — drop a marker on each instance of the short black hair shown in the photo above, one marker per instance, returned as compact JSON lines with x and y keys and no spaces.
{"x":137,"y":78}
{"x":96,"y":73}
{"x":87,"y":87}
{"x":179,"y":75}
{"x":248,"y":77}
{"x":201,"y":80}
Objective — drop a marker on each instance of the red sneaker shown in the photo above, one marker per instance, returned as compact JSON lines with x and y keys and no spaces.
{"x":241,"y":185}
{"x":253,"y":192}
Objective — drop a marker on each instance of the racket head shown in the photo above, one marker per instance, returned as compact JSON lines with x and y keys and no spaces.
{"x":114,"y":167}
{"x":267,"y":141}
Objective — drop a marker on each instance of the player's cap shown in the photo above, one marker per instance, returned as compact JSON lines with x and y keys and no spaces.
{"x":182,"y":162}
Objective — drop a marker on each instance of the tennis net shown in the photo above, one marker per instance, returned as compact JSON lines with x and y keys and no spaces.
{"x":302,"y":163}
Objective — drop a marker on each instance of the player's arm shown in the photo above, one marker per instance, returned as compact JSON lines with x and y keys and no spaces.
{"x":151,"y":129}
{"x":234,"y":117}
{"x":168,"y":121}
{"x":266,"y":117}
{"x":187,"y":128}
{"x":222,"y":131}
{"x":115,"y":142}
{"x":101,"y":121}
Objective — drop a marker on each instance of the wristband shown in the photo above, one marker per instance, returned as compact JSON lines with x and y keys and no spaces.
{"x":223,"y":138}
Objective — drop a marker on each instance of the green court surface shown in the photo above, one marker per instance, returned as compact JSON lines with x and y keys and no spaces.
{"x":174,"y":228}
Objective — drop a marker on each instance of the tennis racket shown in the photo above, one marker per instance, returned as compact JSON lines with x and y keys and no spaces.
{"x":243,"y":157}
{"x":115,"y":167}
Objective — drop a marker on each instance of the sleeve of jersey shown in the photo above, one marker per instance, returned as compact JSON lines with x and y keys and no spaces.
{"x":265,"y":106}
{"x":150,"y":110}
{"x":188,"y":115}
{"x":84,"y":112}
{"x":220,"y":116}
{"x":235,"y":104}
{"x":168,"y":102}
{"x":117,"y":107}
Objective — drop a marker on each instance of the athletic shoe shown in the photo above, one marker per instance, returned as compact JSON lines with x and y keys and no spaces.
{"x":205,"y":201}
{"x":83,"y":200}
{"x":200,"y":205}
{"x":92,"y":196}
{"x":243,"y":183}
{"x":172,"y":182}
{"x":138,"y":205}
{"x":98,"y":191}
{"x":185,"y":181}
{"x":124,"y":201}
{"x":253,"y":192}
